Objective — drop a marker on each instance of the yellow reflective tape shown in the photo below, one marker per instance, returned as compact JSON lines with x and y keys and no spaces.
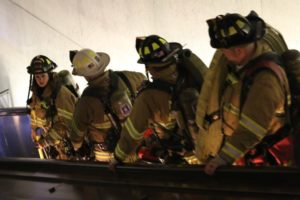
{"x":240,"y":23}
{"x":162,"y":40}
{"x":146,"y":51}
{"x":170,"y":125}
{"x":104,"y":125}
{"x":232,"y":79}
{"x":48,"y":61}
{"x":231,"y":31}
{"x":64,"y":113}
{"x":232,"y":109}
{"x":228,"y":154}
{"x":231,"y":151}
{"x":102,"y":155}
{"x":54,"y":134}
{"x":39,"y":122}
{"x":44,"y":105}
{"x":155,"y":46}
{"x":134,"y":134}
{"x":252,"y":126}
{"x":119,"y":153}
{"x":192,"y":160}
{"x":140,"y":52}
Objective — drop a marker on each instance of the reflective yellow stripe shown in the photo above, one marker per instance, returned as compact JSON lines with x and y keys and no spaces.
{"x":104,"y":125}
{"x":170,"y":125}
{"x":41,"y":121}
{"x":38,"y":122}
{"x":134,"y":134}
{"x":232,"y":30}
{"x":146,"y":51}
{"x":76,"y":130}
{"x":140,"y":52}
{"x":232,"y":109}
{"x":64,"y":113}
{"x":231,"y":151}
{"x":155,"y":46}
{"x":34,"y":123}
{"x":54,"y":134}
{"x":103,"y":156}
{"x":192,"y":160}
{"x":119,"y":153}
{"x":44,"y":105}
{"x":252,"y":126}
{"x":232,"y":78}
{"x":162,"y":40}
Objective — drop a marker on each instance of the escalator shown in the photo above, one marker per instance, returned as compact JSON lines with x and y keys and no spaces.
{"x":23,"y":176}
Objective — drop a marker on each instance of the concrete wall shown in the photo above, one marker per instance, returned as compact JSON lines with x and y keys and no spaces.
{"x":53,"y":27}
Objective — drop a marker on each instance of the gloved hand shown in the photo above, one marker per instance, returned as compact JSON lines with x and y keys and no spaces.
{"x":213,"y":164}
{"x":84,"y":152}
{"x":42,"y":143}
{"x":113,"y":164}
{"x":37,"y":133}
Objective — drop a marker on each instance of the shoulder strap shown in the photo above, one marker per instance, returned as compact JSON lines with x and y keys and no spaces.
{"x":269,"y":61}
{"x":127,"y":83}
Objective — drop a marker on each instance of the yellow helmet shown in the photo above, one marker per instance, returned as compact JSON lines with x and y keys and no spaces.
{"x":86,"y":62}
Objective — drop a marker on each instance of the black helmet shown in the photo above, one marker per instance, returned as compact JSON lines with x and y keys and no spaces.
{"x":155,"y":49}
{"x":41,"y":64}
{"x":233,"y":29}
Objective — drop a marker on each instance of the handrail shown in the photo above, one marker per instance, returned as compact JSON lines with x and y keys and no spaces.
{"x":14,"y":111}
{"x":237,"y":182}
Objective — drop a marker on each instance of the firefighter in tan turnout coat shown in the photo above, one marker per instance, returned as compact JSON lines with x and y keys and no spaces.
{"x":230,"y":123}
{"x":51,"y":108}
{"x":103,"y":105}
{"x":155,"y":107}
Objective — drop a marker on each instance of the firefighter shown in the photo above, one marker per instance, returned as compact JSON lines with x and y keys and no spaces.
{"x":104,"y":104}
{"x":158,"y":105}
{"x":231,"y":122}
{"x":51,"y":108}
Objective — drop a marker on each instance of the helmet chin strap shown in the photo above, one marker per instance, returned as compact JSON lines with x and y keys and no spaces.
{"x":30,"y":85}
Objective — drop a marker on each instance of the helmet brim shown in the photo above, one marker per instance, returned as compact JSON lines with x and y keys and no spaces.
{"x":258,"y":24}
{"x":104,"y":59}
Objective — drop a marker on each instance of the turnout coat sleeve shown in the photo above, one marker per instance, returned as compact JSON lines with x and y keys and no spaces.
{"x":64,"y":103}
{"x":150,"y":105}
{"x":266,"y":96}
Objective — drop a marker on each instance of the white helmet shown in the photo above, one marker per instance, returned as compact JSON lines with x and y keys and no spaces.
{"x":86,"y":62}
